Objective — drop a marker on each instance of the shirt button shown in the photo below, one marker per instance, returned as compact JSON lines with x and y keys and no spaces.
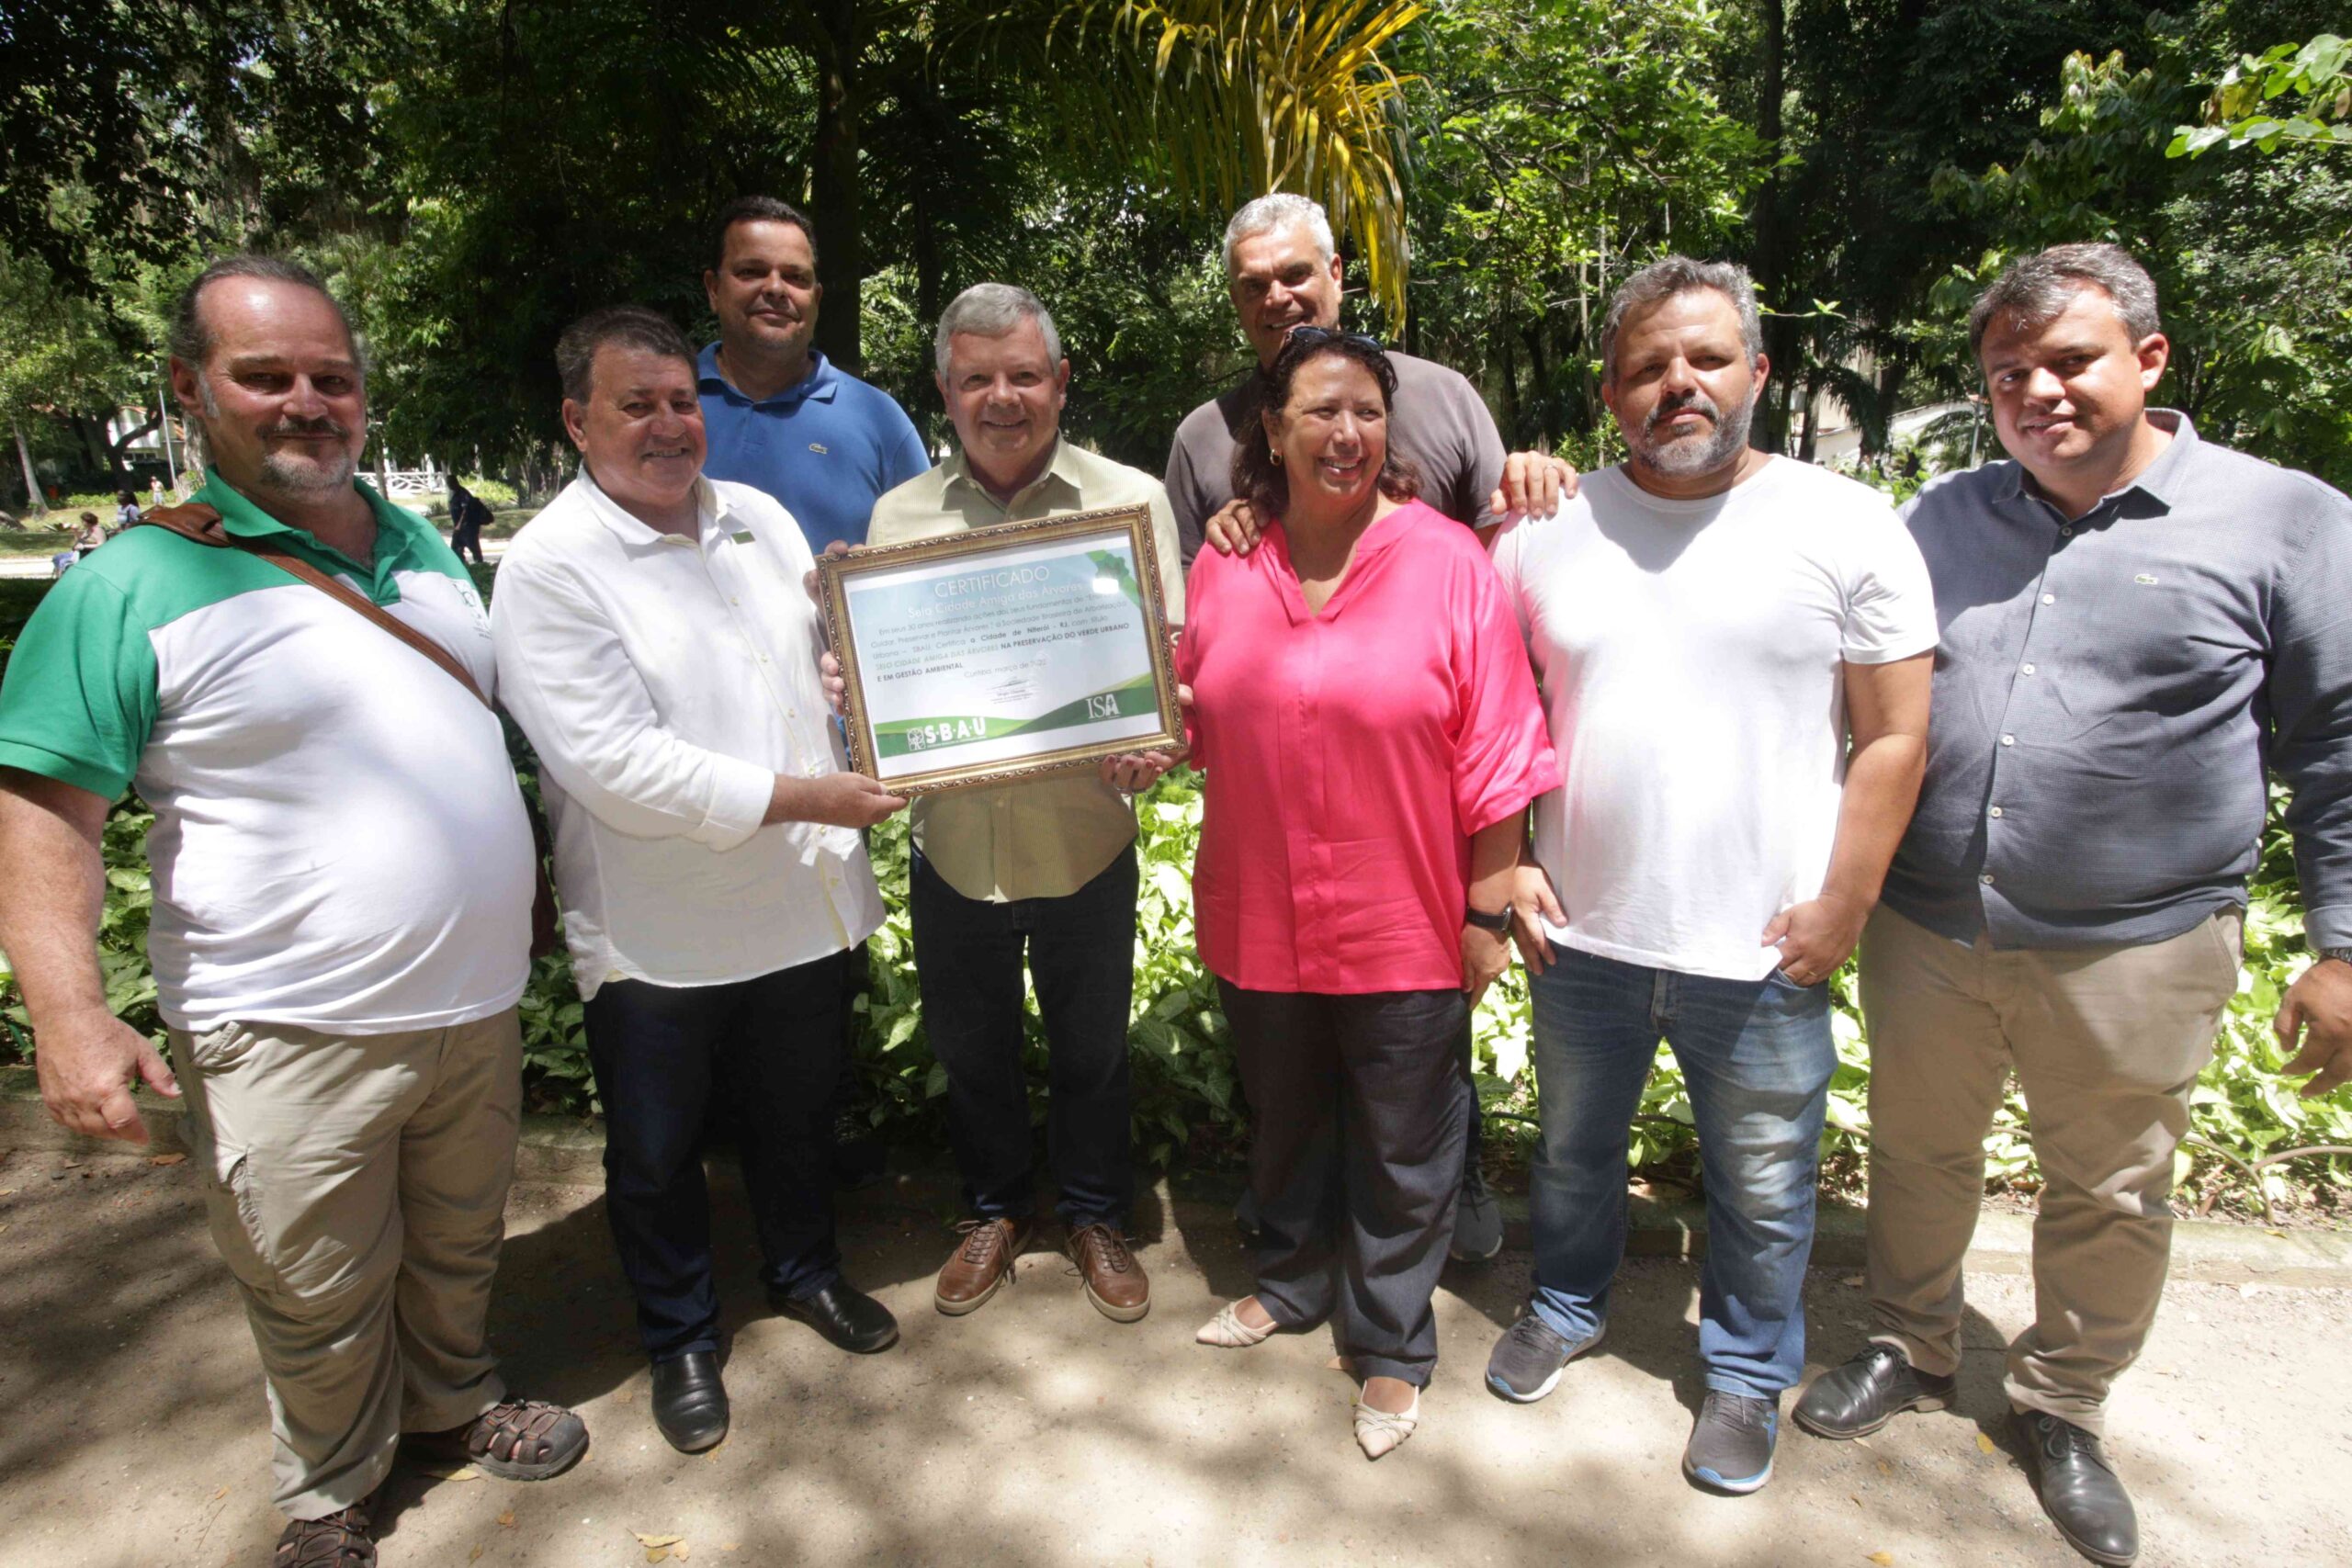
{"x":2026,"y":668}
{"x":733,"y":600}
{"x":1986,"y":879}
{"x":2065,"y":533}
{"x":1995,"y":812}
{"x":2049,"y":598}
{"x":2008,"y":740}
{"x":763,"y":658}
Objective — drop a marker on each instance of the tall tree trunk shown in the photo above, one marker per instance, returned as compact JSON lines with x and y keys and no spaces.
{"x":35,"y":503}
{"x":1765,"y":220}
{"x":834,"y":191}
{"x":1811,"y":442}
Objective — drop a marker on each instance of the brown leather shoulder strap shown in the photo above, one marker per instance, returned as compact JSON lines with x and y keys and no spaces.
{"x":191,"y":520}
{"x":202,"y":524}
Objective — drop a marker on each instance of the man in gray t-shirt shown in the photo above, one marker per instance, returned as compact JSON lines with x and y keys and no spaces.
{"x":1282,"y":271}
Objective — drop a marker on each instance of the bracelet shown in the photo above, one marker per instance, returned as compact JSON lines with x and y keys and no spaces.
{"x":1498,"y":923}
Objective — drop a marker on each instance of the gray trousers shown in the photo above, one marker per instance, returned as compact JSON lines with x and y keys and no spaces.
{"x":356,"y":1189}
{"x":1358,"y":1105}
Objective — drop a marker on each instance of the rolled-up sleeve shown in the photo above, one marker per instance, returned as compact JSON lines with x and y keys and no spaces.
{"x":2310,"y":695}
{"x":1502,"y":757}
{"x":566,"y":679}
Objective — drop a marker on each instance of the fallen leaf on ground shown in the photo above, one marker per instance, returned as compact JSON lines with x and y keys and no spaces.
{"x":167,"y":1159}
{"x":8,"y":1192}
{"x":730,"y":1546}
{"x":2281,"y":1234}
{"x":1885,"y":1468}
{"x":507,"y":1520}
{"x":1985,"y":1444}
{"x":1883,"y":1559}
{"x":446,"y":1472}
{"x":623,"y":1397}
{"x":220,"y":1493}
{"x":475,"y":1555}
{"x":650,"y":1541}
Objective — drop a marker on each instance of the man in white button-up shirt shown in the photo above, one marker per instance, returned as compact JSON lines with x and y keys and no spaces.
{"x":656,"y":645}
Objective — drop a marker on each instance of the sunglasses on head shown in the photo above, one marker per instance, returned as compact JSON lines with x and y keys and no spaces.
{"x":1333,"y":334}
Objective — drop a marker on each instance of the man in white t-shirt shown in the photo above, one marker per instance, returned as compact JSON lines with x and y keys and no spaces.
{"x":1709,"y":624}
{"x":655,"y":643}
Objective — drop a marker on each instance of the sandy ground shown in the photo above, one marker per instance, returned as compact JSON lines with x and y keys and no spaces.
{"x":1036,"y":1431}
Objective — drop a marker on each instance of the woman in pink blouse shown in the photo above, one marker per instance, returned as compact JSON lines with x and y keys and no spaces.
{"x":1364,"y":715}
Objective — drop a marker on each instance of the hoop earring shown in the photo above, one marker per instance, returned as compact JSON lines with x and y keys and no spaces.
{"x":1277,"y":456}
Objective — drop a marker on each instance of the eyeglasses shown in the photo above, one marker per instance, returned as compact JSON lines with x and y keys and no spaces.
{"x":1333,"y":334}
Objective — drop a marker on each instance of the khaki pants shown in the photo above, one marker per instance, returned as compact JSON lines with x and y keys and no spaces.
{"x":357,"y":1187}
{"x":2106,"y":1042}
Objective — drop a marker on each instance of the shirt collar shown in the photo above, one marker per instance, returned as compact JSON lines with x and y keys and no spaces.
{"x":2160,"y":480}
{"x":711,"y":510}
{"x":242,"y":515}
{"x":820,"y":385}
{"x":1062,"y":468}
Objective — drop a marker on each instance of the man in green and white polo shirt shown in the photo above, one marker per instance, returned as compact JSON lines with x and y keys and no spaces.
{"x":343,"y":881}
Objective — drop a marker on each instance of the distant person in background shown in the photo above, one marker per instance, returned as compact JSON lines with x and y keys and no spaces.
{"x":127,"y":512}
{"x":468,"y":513}
{"x":92,"y":535}
{"x":155,"y":492}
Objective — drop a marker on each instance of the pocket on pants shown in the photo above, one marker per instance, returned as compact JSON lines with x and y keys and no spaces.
{"x":220,"y":1048}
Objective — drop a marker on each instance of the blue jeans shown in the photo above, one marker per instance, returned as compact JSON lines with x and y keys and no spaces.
{"x":1757,"y":1056}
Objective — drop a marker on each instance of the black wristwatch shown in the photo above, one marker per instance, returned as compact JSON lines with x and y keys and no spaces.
{"x":2345,"y":954}
{"x":1498,"y":923}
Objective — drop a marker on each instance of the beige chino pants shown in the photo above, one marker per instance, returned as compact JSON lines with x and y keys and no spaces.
{"x":2106,"y":1042}
{"x":357,"y":1187}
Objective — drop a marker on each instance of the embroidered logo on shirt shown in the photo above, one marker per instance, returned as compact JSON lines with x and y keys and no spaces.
{"x":817,"y":447}
{"x":2146,"y":579}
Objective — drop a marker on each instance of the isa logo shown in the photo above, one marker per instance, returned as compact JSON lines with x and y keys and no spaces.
{"x":1105,"y":706}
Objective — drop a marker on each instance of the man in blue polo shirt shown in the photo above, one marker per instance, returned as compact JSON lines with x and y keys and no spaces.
{"x":779,"y":415}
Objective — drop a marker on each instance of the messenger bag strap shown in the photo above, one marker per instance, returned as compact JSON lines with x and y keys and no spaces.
{"x":202,"y":524}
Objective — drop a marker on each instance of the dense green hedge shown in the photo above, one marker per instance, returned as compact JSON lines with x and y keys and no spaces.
{"x":1187,"y":1102}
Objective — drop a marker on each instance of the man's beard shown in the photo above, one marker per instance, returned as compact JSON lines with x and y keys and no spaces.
{"x":310,"y":476}
{"x":1684,"y":456}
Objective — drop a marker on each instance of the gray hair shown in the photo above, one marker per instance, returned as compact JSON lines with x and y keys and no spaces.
{"x":2035,"y":290}
{"x":992,"y":310}
{"x":1661,"y":281}
{"x":630,"y":326}
{"x":1280,"y":211}
{"x":189,"y":336}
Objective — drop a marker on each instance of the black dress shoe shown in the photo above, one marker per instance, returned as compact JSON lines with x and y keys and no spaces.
{"x":2080,"y":1491}
{"x":843,"y":1315}
{"x":1856,"y":1399}
{"x":689,"y":1402}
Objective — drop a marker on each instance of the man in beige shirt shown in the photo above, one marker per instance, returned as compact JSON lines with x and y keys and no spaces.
{"x":1045,"y":869}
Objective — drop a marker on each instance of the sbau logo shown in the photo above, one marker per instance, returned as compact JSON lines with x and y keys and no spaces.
{"x":1105,"y":706}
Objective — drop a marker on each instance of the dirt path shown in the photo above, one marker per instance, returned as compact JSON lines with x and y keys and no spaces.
{"x":1035,"y":1432}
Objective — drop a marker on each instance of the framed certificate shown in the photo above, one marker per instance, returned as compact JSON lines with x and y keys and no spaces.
{"x":1004,"y":653}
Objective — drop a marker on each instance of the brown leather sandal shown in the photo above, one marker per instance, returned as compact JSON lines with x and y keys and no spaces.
{"x":515,"y":1440}
{"x":344,"y":1539}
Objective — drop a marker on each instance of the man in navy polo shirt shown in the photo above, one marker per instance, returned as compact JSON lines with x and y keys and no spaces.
{"x":780,"y":416}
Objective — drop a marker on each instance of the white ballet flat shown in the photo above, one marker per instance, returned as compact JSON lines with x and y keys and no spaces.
{"x":1227,"y":1332}
{"x":1379,"y":1431}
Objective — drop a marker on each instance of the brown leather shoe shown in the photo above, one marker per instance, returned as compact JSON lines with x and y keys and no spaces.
{"x":343,"y":1540}
{"x":1114,"y":1280}
{"x":981,"y":1262}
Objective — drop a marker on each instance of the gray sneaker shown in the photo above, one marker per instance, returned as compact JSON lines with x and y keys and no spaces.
{"x":1529,"y":1358}
{"x":1477,"y":1219}
{"x":1731,"y":1443}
